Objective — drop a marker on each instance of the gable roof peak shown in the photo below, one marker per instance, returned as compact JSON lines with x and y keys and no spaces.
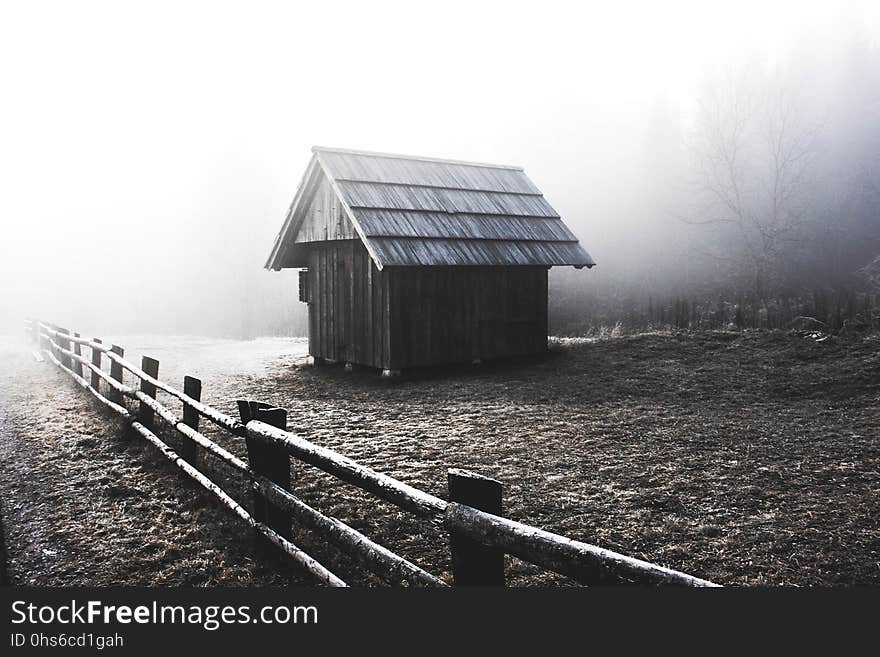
{"x":415,"y":158}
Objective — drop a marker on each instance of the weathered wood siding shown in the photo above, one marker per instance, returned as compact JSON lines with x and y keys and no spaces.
{"x":404,"y":317}
{"x":325,"y":218}
{"x":348,"y":312}
{"x":457,"y":314}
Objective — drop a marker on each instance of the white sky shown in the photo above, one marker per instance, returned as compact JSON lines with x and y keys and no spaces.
{"x":166,"y":127}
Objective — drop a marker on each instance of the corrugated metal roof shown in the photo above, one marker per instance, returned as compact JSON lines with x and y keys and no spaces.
{"x":427,"y":212}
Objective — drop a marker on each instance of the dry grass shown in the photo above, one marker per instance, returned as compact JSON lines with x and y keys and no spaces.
{"x":746,"y":458}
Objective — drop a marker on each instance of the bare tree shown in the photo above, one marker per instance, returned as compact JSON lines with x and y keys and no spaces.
{"x":871,"y":273}
{"x":753,"y":155}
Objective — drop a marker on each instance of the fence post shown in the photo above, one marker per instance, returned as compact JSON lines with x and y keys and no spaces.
{"x":64,"y":344}
{"x":77,"y":365}
{"x":116,"y":372}
{"x":149,"y":366}
{"x":52,"y":341}
{"x":270,"y":461}
{"x":192,"y":387}
{"x":96,"y":361}
{"x":42,"y":342}
{"x":474,"y":564}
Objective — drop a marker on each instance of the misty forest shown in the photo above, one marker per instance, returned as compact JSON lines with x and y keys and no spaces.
{"x":763,"y":207}
{"x":703,"y":399}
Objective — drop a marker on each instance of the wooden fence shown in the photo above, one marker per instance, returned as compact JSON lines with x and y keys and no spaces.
{"x":479,"y":535}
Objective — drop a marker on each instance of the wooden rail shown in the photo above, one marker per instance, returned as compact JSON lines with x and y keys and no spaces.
{"x":221,"y":419}
{"x":307,"y":562}
{"x":586,"y":563}
{"x":479,"y":534}
{"x":404,"y":496}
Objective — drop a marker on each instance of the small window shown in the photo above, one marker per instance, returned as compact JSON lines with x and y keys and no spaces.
{"x":304,"y":286}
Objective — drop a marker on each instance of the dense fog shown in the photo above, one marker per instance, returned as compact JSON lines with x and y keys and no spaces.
{"x":720,"y":163}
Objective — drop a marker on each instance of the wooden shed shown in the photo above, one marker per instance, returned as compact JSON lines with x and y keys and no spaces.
{"x":412,"y":261}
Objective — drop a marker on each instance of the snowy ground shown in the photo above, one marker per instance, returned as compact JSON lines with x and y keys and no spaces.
{"x":747,"y":458}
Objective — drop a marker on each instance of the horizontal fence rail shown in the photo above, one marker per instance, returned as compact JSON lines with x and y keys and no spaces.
{"x":404,"y":496}
{"x":220,"y":419}
{"x":308,"y":563}
{"x":583,"y":562}
{"x":479,"y":535}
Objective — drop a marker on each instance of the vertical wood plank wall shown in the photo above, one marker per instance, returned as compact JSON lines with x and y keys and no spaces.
{"x":348,"y":318}
{"x":457,"y":314}
{"x":324,"y":217}
{"x":414,"y":316}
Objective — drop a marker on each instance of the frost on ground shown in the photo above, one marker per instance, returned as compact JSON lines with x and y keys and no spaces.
{"x":86,"y":503}
{"x":745,"y":458}
{"x":210,"y":358}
